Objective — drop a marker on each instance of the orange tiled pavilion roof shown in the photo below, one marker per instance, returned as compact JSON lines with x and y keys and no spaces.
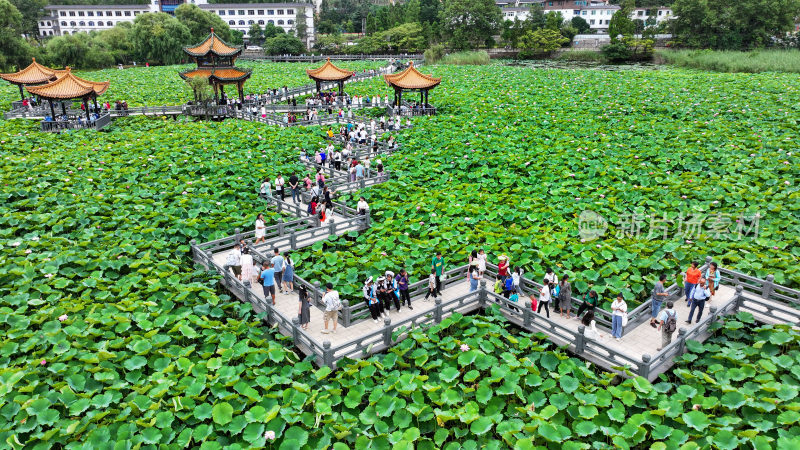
{"x":212,"y":44}
{"x":222,"y":74}
{"x":35,"y":73}
{"x":69,"y":86}
{"x":329,"y":72}
{"x":411,"y":78}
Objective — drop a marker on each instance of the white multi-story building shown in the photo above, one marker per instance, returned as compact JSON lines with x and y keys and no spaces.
{"x":597,"y":13}
{"x":71,"y":19}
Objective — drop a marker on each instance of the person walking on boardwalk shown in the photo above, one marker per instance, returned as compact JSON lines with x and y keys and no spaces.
{"x":320,"y":179}
{"x":233,"y":261}
{"x":402,"y":287}
{"x":698,"y":297}
{"x":667,"y":323}
{"x":712,"y":276}
{"x":359,"y":171}
{"x":305,"y":308}
{"x":656,"y":299}
{"x":371,"y":298}
{"x":589,"y":302}
{"x":564,"y":297}
{"x":474,"y":277}
{"x":288,"y":274}
{"x":326,"y":195}
{"x":246,"y":263}
{"x":502,"y":267}
{"x":268,"y":280}
{"x":690,"y":281}
{"x":544,"y":298}
{"x":618,"y":310}
{"x":385,"y":293}
{"x":277,"y":264}
{"x":332,"y":307}
{"x":437,"y":268}
{"x":516,"y":278}
{"x":431,"y":285}
{"x":294,"y":184}
{"x":261,"y":229}
{"x":590,"y":326}
{"x":307,"y":181}
{"x":550,"y":276}
{"x":379,"y":167}
{"x":279,"y":187}
{"x":481,"y":262}
{"x":266,"y":189}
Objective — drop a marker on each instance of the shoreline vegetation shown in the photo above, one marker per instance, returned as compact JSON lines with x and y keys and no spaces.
{"x":732,"y":61}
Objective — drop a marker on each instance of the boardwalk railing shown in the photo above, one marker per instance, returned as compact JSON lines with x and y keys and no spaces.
{"x":65,"y":125}
{"x":316,"y":58}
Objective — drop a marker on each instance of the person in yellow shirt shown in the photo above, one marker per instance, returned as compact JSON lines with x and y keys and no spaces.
{"x":330,"y":133}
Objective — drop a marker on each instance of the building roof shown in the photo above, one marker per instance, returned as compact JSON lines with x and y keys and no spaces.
{"x":212,"y":44}
{"x":35,"y":73}
{"x":95,"y":7}
{"x":221,"y":74}
{"x":329,"y":72}
{"x":69,"y":86}
{"x":255,"y":5}
{"x":411,"y":78}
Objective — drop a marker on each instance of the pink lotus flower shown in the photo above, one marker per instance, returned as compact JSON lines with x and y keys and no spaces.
{"x":28,"y":251}
{"x":683,"y":196}
{"x":787,"y":183}
{"x":43,"y":362}
{"x":62,"y":317}
{"x":16,"y":244}
{"x":269,"y":434}
{"x":464,"y":347}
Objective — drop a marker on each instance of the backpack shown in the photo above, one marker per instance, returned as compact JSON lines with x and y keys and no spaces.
{"x":498,"y":287}
{"x":509,"y":285}
{"x":556,"y":293}
{"x":671,"y":323}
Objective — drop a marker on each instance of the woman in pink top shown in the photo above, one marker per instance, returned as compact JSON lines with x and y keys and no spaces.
{"x":320,"y":179}
{"x":307,"y":181}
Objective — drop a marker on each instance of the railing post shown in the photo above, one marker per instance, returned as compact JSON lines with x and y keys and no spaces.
{"x":367,"y":221}
{"x":281,"y":225}
{"x":331,"y":226}
{"x":362,"y":183}
{"x":768,"y":287}
{"x":644,"y":368}
{"x":295,"y":330}
{"x":739,"y":299}
{"x":387,"y":332}
{"x":482,"y":296}
{"x":278,"y":203}
{"x":267,"y":308}
{"x":327,"y":354}
{"x":526,"y":315}
{"x":580,"y":340}
{"x":708,"y":260}
{"x":317,"y":296}
{"x":681,"y":340}
{"x":437,"y":312}
{"x":192,"y":245}
{"x":347,"y":313}
{"x":713,"y":312}
{"x":293,"y":240}
{"x":237,"y":232}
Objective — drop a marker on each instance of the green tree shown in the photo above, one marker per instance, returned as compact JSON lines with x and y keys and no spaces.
{"x":691,"y":23}
{"x":621,"y":23}
{"x":284,"y":44}
{"x":553,"y":20}
{"x":412,"y":11}
{"x":256,"y":34}
{"x":429,"y":11}
{"x":201,"y":22}
{"x":14,"y":50}
{"x":540,"y":42}
{"x":31,"y":11}
{"x":79,"y":50}
{"x":119,"y":41}
{"x":329,"y":43}
{"x":159,"y":38}
{"x":301,"y":27}
{"x":469,"y":23}
{"x":536,"y":18}
{"x":270,"y":31}
{"x":580,"y":24}
{"x":407,"y":37}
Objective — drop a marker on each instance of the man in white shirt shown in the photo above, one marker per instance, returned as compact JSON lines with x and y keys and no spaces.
{"x":700,"y":293}
{"x":665,"y":325}
{"x":279,"y":186}
{"x":332,"y":305}
{"x":233,"y":261}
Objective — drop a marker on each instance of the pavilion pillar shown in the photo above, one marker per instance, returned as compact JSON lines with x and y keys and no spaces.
{"x":222,"y":92}
{"x":216,"y":95}
{"x":426,"y":98}
{"x":341,"y":87}
{"x":21,"y":92}
{"x":63,"y":108}
{"x":52,"y":109}
{"x":240,"y":85}
{"x":421,"y":96}
{"x":319,"y":86}
{"x":86,"y":108}
{"x":399,"y":99}
{"x":96,"y":109}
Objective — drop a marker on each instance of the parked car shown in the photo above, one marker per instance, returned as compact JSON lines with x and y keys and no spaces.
{"x":254,"y":48}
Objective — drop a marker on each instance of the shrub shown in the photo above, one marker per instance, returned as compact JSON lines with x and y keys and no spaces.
{"x":434,"y":54}
{"x":581,"y":55}
{"x":477,"y":58}
{"x":732,"y":61}
{"x":540,"y":42}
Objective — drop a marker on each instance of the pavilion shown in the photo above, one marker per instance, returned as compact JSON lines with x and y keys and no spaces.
{"x":329,"y":72}
{"x":411,"y":79}
{"x":33,"y":75}
{"x":215,"y":60}
{"x":68,"y":87}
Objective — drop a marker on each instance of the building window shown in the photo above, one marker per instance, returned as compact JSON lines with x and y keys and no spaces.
{"x":290,"y":22}
{"x":261,"y":22}
{"x":127,"y":13}
{"x":583,"y":13}
{"x":80,"y":13}
{"x":251,"y":12}
{"x":118,"y":13}
{"x":72,"y":13}
{"x":221,"y":12}
{"x":270,"y":12}
{"x":231,"y":22}
{"x":280,"y":12}
{"x":241,"y":22}
{"x":607,"y":22}
{"x":90,"y":13}
{"x":63,"y":24}
{"x":271,"y":22}
{"x":241,"y":12}
{"x":591,"y":21}
{"x":659,"y":13}
{"x":231,"y":12}
{"x":280,"y":22}
{"x":290,"y":11}
{"x":250,"y":22}
{"x":82,"y":23}
{"x":110,"y":23}
{"x":72,"y":24}
{"x":260,"y":12}
{"x":63,"y":14}
{"x":91,"y":24}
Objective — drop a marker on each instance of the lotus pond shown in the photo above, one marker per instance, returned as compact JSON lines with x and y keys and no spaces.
{"x":112,"y":339}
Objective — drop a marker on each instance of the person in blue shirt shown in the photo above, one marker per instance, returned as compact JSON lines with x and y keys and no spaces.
{"x":277,"y":264}
{"x":700,"y":293}
{"x":268,"y":280}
